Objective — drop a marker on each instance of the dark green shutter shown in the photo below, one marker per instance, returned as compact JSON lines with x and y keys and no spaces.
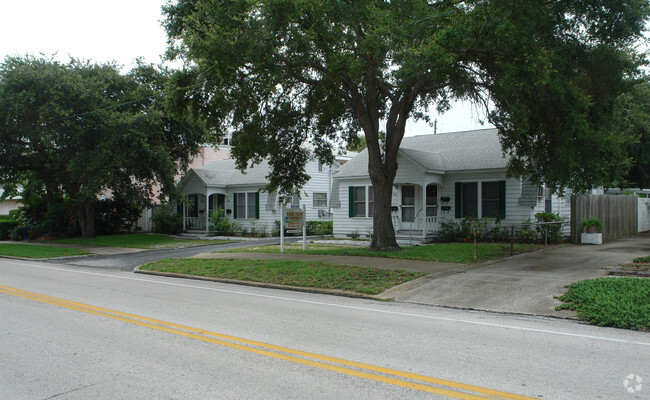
{"x":351,"y":203}
{"x":502,"y":199}
{"x":459,"y":200}
{"x":234,"y":213}
{"x":257,"y":205}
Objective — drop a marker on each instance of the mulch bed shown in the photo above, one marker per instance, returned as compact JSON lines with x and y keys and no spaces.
{"x":634,"y":269}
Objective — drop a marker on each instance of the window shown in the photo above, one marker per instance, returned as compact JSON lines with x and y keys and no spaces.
{"x":247,"y":205}
{"x":490,"y":199}
{"x":320,"y":166}
{"x":408,"y":203}
{"x":488,"y":202}
{"x":320,"y":200}
{"x":432,"y":200}
{"x":362,"y":201}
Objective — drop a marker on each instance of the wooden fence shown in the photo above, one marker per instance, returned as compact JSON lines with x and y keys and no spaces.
{"x":618,"y":213}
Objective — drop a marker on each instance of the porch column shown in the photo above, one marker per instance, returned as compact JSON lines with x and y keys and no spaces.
{"x":207,"y":211}
{"x":184,"y":215}
{"x":424,"y":210}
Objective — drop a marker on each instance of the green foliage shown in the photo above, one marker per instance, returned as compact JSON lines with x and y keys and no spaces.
{"x":617,"y":302}
{"x":549,"y":227}
{"x":6,"y":226}
{"x":137,"y":241}
{"x":585,"y":224}
{"x":27,"y":232}
{"x":72,"y":131}
{"x":354,"y":235}
{"x":320,"y":228}
{"x":167,"y":222}
{"x":115,"y":215}
{"x":645,"y":259}
{"x":220,"y":224}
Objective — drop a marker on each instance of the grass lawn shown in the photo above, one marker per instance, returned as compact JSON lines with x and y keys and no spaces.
{"x":295,"y":273}
{"x":448,"y":252}
{"x":138,"y":241}
{"x":617,"y":302}
{"x":36,"y":251}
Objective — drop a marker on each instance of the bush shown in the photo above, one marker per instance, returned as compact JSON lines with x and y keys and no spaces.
{"x":588,"y":223}
{"x":320,"y":228}
{"x":553,"y":232}
{"x":219,"y":223}
{"x":27,"y":232}
{"x":6,"y":226}
{"x":167,"y":222}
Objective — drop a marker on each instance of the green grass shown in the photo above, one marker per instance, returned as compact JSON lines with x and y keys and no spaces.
{"x":452,"y":252}
{"x":138,"y":241}
{"x":37,"y":251}
{"x":617,"y":302}
{"x":294,"y":273}
{"x":642,"y":260}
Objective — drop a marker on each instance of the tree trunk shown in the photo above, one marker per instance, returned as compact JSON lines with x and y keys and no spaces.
{"x":383,"y":233}
{"x":86,"y":218}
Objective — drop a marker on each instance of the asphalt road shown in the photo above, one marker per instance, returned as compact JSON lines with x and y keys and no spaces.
{"x":69,"y":332}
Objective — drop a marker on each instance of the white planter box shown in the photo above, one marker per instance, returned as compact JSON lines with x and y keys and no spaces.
{"x":591,"y":238}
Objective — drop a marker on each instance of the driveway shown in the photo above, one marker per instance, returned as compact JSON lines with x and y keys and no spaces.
{"x":525,"y":283}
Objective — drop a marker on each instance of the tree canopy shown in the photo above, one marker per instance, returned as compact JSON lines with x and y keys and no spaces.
{"x":77,"y":130}
{"x":282,"y":73}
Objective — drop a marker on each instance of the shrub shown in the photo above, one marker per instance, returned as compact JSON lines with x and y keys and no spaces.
{"x":167,"y":221}
{"x":6,"y":226}
{"x":526,"y":233}
{"x":354,"y":235}
{"x":552,"y":231}
{"x":27,"y":232}
{"x":219,"y":223}
{"x":595,"y":222}
{"x":320,"y":228}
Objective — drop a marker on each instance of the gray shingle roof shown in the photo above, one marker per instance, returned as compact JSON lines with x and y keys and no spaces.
{"x":445,"y":152}
{"x":224,"y":172}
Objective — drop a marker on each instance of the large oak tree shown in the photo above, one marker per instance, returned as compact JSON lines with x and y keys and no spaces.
{"x":77,"y":130}
{"x":278,"y":74}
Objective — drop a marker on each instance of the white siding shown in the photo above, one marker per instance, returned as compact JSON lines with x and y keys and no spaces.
{"x":644,"y":214}
{"x":343,"y":224}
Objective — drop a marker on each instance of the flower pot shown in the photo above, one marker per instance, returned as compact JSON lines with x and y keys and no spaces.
{"x":591,"y":238}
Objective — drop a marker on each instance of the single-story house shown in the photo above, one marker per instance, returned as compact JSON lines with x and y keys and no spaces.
{"x":441,"y":177}
{"x":8,"y":204}
{"x":219,"y":184}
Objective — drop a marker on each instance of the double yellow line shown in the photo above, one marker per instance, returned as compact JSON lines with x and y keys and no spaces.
{"x":361,"y":370}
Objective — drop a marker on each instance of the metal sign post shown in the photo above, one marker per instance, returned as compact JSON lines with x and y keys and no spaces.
{"x":304,"y":227}
{"x":281,"y":227}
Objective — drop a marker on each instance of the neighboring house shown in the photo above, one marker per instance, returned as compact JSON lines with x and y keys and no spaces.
{"x":443,"y":177}
{"x":8,"y":204}
{"x":220,"y":185}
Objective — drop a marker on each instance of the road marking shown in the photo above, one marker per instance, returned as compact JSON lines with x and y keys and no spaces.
{"x":167,"y":282}
{"x":367,"y":371}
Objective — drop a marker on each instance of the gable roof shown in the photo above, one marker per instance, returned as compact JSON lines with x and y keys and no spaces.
{"x":224,"y":173}
{"x":444,"y":152}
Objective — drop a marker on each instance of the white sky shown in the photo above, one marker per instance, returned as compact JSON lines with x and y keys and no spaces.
{"x":123,"y":30}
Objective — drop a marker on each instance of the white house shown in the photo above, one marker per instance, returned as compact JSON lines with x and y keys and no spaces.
{"x":219,"y":184}
{"x":440,"y":178}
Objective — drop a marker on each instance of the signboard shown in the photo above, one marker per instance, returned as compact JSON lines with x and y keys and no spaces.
{"x":293,"y":218}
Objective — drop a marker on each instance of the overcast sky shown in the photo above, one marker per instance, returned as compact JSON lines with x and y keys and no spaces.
{"x":121,"y":31}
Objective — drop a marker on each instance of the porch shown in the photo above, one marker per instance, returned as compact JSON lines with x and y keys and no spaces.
{"x":196,"y":216}
{"x":415,"y":211}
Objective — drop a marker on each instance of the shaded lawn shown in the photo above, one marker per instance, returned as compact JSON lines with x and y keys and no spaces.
{"x":618,"y":302}
{"x":448,"y":252}
{"x":138,"y":241}
{"x":37,"y":251}
{"x":288,"y":272}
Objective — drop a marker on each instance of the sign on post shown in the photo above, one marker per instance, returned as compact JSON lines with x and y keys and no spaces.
{"x":293,"y":218}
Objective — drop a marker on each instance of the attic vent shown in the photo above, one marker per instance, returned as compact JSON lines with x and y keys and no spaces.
{"x":528,"y":194}
{"x":335,"y":201}
{"x":271,"y":201}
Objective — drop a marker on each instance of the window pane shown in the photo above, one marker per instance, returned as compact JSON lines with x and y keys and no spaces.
{"x":371,"y":201}
{"x":408,"y":195}
{"x":320,"y":200}
{"x":490,"y":199}
{"x":360,"y":201}
{"x":470,"y":199}
{"x":408,"y":214}
{"x":432,"y":195}
{"x":432,"y":211}
{"x":251,"y":205}
{"x":241,"y":205}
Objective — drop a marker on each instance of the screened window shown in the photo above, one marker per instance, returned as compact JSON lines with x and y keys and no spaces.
{"x":250,"y":205}
{"x":371,"y":202}
{"x":432,"y":200}
{"x":359,"y":201}
{"x":241,"y":205}
{"x":246,"y":205}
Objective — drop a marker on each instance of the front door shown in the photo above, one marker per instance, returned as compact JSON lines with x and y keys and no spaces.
{"x":408,"y":206}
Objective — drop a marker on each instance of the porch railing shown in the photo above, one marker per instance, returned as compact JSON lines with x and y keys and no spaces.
{"x":195,"y":222}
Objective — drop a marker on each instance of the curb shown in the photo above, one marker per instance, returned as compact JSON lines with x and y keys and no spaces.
{"x":333,"y":292}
